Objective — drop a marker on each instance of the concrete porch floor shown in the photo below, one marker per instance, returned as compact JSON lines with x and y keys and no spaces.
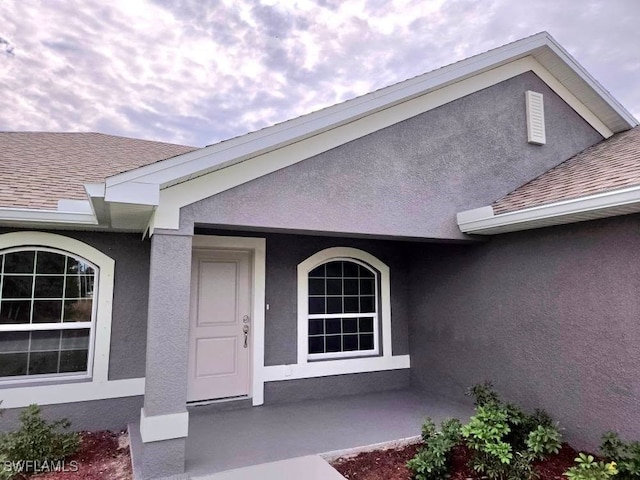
{"x":225,"y":440}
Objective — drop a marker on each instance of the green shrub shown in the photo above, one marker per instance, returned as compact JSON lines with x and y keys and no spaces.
{"x":504,"y":439}
{"x":587,"y":468}
{"x":37,"y":440}
{"x":625,"y":455}
{"x":433,"y":460}
{"x":543,"y":441}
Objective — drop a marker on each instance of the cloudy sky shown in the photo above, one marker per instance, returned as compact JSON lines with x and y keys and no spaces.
{"x":199,"y":71}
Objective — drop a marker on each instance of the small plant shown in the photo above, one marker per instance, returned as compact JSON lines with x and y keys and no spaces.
{"x":504,"y":439}
{"x":37,"y":441}
{"x":625,"y":455}
{"x":543,"y":441}
{"x":432,"y":460}
{"x":587,"y":468}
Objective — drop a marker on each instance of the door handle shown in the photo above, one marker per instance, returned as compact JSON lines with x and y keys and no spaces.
{"x":245,"y":330}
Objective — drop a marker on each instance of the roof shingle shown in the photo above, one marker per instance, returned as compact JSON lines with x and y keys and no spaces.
{"x":609,"y":165}
{"x":39,"y":168}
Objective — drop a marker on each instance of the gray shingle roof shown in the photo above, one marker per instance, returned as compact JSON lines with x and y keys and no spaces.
{"x":609,"y":165}
{"x":39,"y":168}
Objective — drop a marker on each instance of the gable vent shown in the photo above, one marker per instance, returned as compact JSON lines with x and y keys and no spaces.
{"x":535,"y":118}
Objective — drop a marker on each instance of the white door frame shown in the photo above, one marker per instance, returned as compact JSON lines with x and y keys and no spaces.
{"x":257,"y":248}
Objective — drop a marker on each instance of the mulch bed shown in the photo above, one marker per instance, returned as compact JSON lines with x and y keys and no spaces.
{"x":102,"y":455}
{"x":391,"y":464}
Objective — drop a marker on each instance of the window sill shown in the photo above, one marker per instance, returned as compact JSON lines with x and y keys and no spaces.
{"x":342,"y":366}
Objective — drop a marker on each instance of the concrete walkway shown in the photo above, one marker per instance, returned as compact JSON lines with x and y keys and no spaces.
{"x":311,"y":467}
{"x":220,"y":441}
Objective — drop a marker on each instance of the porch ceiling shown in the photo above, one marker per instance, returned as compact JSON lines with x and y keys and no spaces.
{"x":238,"y":438}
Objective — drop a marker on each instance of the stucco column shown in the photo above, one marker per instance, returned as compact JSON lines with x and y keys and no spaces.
{"x":164,"y":419}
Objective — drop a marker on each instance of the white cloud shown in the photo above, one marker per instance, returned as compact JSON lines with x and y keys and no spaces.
{"x":196,"y":72}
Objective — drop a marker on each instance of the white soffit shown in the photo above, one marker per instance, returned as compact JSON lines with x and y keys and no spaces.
{"x":483,"y":221}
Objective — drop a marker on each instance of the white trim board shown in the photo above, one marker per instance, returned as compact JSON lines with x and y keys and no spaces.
{"x":483,"y":221}
{"x":156,"y":428}
{"x":326,"y":368}
{"x":173,"y":198}
{"x":257,"y":246}
{"x":18,"y":397}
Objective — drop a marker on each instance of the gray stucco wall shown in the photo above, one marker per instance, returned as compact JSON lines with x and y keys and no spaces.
{"x":110,"y":414}
{"x":411,"y":178}
{"x":335,"y":386}
{"x":551,"y":316}
{"x":130,"y":297}
{"x":285,"y":252}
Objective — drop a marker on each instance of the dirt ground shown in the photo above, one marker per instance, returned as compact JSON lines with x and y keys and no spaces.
{"x":391,"y":464}
{"x":102,"y":456}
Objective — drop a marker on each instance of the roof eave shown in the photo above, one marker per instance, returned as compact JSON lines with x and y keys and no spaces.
{"x":215,"y":157}
{"x":483,"y":221}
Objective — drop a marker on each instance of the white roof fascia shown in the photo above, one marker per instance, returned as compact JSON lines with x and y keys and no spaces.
{"x":26,"y":215}
{"x":192,"y":164}
{"x":483,"y":221}
{"x":568,"y":59}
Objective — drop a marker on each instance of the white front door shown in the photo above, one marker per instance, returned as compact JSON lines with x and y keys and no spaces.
{"x":220,"y":325}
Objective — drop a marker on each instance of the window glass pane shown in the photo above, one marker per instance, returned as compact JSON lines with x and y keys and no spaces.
{"x":45,"y":340}
{"x":12,"y":364}
{"x":366,"y":341}
{"x":49,"y":262}
{"x":80,"y":286}
{"x":350,"y":343}
{"x":19,"y":262}
{"x":316,"y":305}
{"x":350,"y":325}
{"x":366,"y":325}
{"x":334,"y":286}
{"x":351,"y":286}
{"x":316,"y":286}
{"x":49,"y":287}
{"x":43,"y":362}
{"x":77,"y":267}
{"x":334,"y":269}
{"x":16,"y":287}
{"x":78,"y":310}
{"x":366,"y":286}
{"x":350,"y":269}
{"x":316,"y":326}
{"x":333,"y":325}
{"x":73,"y":361}
{"x":351,"y":305}
{"x":333,"y":343}
{"x":15,"y":311}
{"x":365,"y":272}
{"x":75,"y":339}
{"x":334,"y":305}
{"x":14,"y":342}
{"x":316,"y":344}
{"x":47,"y":311}
{"x":366,"y":305}
{"x":317,"y":272}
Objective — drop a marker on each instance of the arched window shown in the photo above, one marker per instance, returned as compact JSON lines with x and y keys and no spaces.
{"x":340,"y":308}
{"x":47,"y":314}
{"x":343,"y":313}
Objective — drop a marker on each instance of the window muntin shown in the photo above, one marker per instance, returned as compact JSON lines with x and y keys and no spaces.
{"x":342,"y":310}
{"x":47,"y":312}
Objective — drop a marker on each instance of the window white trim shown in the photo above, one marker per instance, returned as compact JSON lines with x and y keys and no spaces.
{"x":343,"y":253}
{"x":98,"y":385}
